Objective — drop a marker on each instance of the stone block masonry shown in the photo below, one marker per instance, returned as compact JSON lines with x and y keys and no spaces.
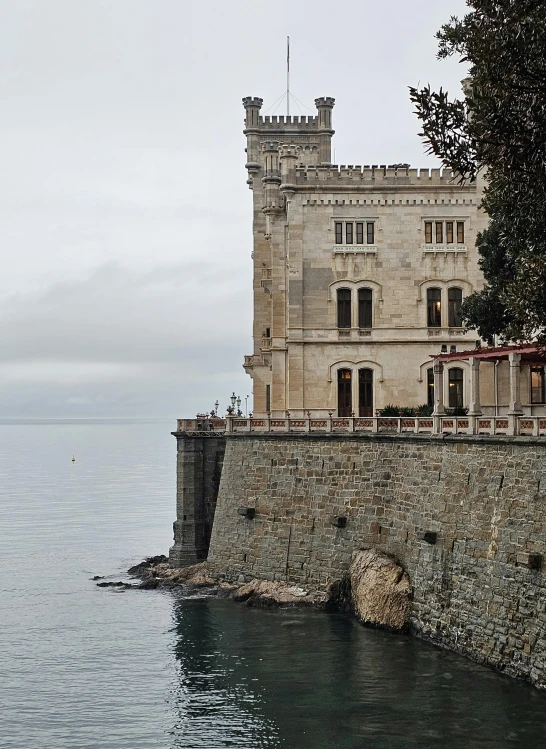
{"x":198,"y":469}
{"x":464,"y":515}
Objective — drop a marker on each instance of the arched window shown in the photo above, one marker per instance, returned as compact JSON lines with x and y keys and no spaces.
{"x":434,"y":308}
{"x":455,"y":387}
{"x":365,"y":392}
{"x":364,"y":308}
{"x":454,"y":301}
{"x":344,"y":308}
{"x":430,"y":386}
{"x":344,"y":392}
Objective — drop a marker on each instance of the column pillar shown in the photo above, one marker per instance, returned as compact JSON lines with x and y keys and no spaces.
{"x":515,"y":409}
{"x":439,"y":409}
{"x":515,"y":398}
{"x":474,"y":406}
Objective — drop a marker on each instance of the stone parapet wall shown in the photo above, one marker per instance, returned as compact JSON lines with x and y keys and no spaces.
{"x":464,"y":515}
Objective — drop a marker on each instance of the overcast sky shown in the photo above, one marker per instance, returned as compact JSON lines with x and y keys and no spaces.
{"x":125,"y":220}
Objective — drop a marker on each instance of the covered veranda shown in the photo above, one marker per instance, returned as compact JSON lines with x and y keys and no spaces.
{"x":525,"y":366}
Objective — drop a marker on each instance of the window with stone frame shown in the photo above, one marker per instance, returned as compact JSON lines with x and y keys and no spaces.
{"x":434,"y":308}
{"x":454,"y":302}
{"x":444,"y":232}
{"x":455,"y":384}
{"x":430,"y":386}
{"x":365,"y":308}
{"x":460,"y":232}
{"x":354,"y":232}
{"x":344,"y":308}
{"x":428,"y":232}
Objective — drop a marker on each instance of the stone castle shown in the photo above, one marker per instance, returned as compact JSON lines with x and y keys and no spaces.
{"x":359,"y":273}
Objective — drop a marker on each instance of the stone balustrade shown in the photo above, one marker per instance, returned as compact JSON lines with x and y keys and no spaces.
{"x":512,"y":425}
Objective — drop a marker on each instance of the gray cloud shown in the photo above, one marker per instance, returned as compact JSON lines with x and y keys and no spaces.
{"x":125,"y":220}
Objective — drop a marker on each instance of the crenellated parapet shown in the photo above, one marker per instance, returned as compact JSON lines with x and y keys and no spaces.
{"x":374,"y":176}
{"x":292,"y":123}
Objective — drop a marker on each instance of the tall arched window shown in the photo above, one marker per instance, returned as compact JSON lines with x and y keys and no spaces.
{"x":454,"y":301}
{"x":455,"y":387}
{"x":430,"y":386}
{"x":364,"y":308}
{"x":434,"y":308}
{"x":365,"y":392}
{"x":344,"y":308}
{"x":344,"y":392}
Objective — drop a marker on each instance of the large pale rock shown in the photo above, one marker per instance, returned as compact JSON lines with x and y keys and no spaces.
{"x":381,"y":590}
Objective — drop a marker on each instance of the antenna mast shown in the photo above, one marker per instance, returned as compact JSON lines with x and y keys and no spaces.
{"x":288,"y":75}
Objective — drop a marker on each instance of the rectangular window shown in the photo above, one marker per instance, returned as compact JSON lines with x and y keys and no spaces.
{"x":268,"y":332}
{"x":434,"y":308}
{"x":364,"y":308}
{"x":454,"y":301}
{"x":428,"y":232}
{"x":455,"y":388}
{"x":460,"y":232}
{"x":449,"y":232}
{"x":365,"y":392}
{"x":370,"y":233}
{"x":344,"y":308}
{"x":339,"y":233}
{"x":268,"y":398}
{"x":439,"y":232}
{"x":537,"y":385}
{"x":349,"y":233}
{"x":430,"y":386}
{"x":360,"y":233}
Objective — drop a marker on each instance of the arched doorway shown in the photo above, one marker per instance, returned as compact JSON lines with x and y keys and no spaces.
{"x":365,"y":392}
{"x":344,"y":392}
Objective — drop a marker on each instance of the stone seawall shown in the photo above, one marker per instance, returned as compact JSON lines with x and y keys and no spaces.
{"x":465,"y":516}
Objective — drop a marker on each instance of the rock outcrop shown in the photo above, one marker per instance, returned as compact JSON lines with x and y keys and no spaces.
{"x":380,"y":590}
{"x":164,"y":576}
{"x":265,"y":594}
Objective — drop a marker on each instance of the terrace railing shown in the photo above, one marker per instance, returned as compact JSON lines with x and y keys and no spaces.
{"x":511,"y":425}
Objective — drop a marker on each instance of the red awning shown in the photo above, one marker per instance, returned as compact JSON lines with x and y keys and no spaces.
{"x":528,"y":352}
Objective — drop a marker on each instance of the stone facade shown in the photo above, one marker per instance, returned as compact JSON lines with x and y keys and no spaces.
{"x":464,"y":516}
{"x":391,"y":233}
{"x":199,"y":464}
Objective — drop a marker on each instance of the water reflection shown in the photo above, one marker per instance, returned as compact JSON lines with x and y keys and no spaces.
{"x":305,"y":679}
{"x":216,"y":703}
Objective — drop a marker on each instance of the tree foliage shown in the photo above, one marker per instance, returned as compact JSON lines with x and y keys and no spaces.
{"x":499,"y":129}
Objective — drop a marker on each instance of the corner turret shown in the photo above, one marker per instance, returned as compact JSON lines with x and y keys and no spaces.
{"x":252,"y":105}
{"x":324,"y":106}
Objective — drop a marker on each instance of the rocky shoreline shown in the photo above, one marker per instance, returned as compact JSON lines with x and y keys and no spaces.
{"x":156,"y":573}
{"x":375,"y":589}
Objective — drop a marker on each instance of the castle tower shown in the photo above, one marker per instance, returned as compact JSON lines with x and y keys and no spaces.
{"x":359,"y":273}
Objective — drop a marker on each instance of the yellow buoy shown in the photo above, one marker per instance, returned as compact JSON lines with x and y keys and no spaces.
{"x":73,"y":458}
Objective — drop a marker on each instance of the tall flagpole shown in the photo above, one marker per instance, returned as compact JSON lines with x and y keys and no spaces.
{"x":288,"y":75}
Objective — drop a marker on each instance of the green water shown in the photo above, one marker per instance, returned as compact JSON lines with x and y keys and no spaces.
{"x":85,"y":668}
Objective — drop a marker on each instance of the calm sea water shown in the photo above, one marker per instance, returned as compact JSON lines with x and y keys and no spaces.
{"x":83,"y":667}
